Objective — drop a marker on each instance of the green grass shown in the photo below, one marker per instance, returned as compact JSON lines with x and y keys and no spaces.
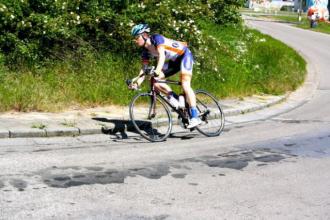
{"x":322,"y":27}
{"x":267,"y":65}
{"x":246,"y":63}
{"x":94,"y":81}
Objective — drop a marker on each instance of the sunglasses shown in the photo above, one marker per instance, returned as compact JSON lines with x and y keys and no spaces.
{"x":137,"y":36}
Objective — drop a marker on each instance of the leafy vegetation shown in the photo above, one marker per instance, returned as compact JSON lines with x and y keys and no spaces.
{"x":57,"y":54}
{"x":34,"y":31}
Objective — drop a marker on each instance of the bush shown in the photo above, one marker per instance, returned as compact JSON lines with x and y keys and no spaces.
{"x":287,"y":8}
{"x":34,"y":31}
{"x":226,"y":11}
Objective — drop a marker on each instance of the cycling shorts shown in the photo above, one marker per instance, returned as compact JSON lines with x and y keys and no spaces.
{"x":183,"y":64}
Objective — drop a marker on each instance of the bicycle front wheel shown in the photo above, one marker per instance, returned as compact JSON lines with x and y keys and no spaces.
{"x":211,"y":114}
{"x":151,"y":117}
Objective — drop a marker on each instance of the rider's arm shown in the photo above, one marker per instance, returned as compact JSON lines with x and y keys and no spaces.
{"x":139,"y":79}
{"x":161,"y":60}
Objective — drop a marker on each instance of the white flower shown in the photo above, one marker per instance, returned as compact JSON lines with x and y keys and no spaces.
{"x":97,"y":20}
{"x":78,"y":17}
{"x":131,"y":23}
{"x":262,"y":40}
{"x":12,"y":16}
{"x":216,"y":70}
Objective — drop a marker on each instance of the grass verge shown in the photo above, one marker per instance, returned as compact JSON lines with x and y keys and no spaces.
{"x":322,"y":27}
{"x":251,"y":63}
{"x":247,"y":62}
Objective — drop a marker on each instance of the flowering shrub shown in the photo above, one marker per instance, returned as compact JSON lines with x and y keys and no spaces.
{"x":36,"y":30}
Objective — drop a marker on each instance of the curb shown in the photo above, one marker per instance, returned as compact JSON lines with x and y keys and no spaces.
{"x":119,"y":126}
{"x":244,"y":110}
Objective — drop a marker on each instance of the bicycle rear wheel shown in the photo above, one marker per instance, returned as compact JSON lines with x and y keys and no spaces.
{"x":211,"y":114}
{"x":150,"y":117}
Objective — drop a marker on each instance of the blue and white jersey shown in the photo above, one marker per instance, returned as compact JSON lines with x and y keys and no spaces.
{"x":178,"y":57}
{"x":173,"y":49}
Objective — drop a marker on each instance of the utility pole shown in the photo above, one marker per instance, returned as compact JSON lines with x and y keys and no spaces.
{"x":300,"y":10}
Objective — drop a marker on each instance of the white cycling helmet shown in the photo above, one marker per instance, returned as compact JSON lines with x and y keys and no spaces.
{"x":140,"y":29}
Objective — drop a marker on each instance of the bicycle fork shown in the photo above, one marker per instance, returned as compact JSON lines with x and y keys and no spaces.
{"x":152,"y":108}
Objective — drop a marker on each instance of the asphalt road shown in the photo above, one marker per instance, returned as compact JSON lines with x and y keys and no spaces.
{"x":261,"y":167}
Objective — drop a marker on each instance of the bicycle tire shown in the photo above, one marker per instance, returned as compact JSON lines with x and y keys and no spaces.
{"x":211,"y":114}
{"x":154,"y":128}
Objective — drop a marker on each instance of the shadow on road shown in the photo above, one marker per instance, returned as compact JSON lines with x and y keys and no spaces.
{"x":121,"y":127}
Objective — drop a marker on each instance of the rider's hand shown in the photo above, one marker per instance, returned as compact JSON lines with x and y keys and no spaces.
{"x":158,"y":73}
{"x":133,"y":86}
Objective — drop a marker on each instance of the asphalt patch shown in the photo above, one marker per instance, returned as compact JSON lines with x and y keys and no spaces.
{"x":64,"y":177}
{"x":18,"y":184}
{"x":179,"y":175}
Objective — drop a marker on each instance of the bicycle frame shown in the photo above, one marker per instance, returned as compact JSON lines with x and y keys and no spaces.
{"x":155,"y":92}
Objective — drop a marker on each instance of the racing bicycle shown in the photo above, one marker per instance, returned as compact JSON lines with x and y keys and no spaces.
{"x":151,"y":112}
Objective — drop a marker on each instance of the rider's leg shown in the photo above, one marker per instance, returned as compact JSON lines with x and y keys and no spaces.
{"x":169,"y":69}
{"x":189,"y":92}
{"x":163,"y":87}
{"x":166,"y":89}
{"x":186,"y":75}
{"x":191,"y":99}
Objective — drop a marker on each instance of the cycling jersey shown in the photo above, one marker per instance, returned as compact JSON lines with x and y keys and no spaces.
{"x":177,"y":55}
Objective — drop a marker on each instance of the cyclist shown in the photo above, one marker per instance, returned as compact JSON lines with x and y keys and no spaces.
{"x":172,"y":57}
